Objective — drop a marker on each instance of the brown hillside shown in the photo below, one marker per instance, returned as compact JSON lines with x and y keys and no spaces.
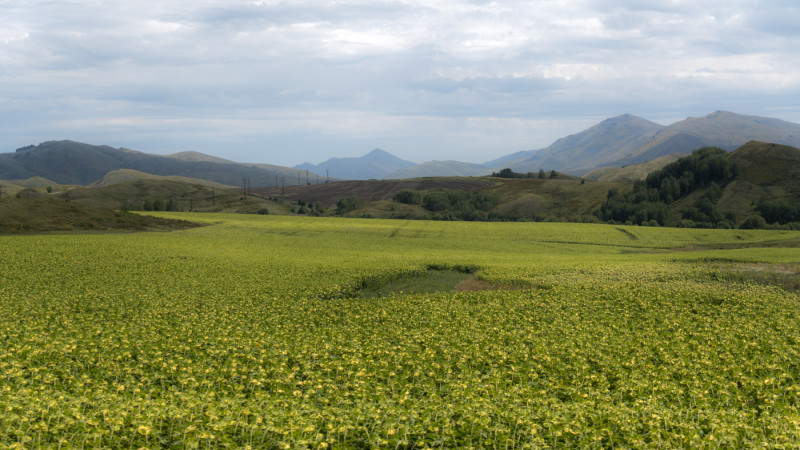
{"x":367,"y":190}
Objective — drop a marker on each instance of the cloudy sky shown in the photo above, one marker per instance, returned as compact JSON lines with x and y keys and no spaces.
{"x":283,"y":82}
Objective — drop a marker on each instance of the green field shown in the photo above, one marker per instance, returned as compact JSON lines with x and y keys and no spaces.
{"x":254,"y":332}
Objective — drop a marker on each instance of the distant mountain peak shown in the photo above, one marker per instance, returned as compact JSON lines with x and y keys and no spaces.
{"x":628,"y":118}
{"x":380,"y":155}
{"x":721,"y":113}
{"x":378,"y":151}
{"x":375,"y":164}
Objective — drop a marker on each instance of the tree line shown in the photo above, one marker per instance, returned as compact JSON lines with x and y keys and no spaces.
{"x":647,"y":203}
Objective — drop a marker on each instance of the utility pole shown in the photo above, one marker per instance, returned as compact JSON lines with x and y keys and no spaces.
{"x":306,"y":176}
{"x":327,"y":175}
{"x":245,"y":188}
{"x":283,"y":189}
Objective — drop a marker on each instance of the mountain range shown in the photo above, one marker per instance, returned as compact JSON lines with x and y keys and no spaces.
{"x":614,"y":142}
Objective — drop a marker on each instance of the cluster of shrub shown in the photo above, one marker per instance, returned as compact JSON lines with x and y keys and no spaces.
{"x":452,"y":204}
{"x":312,"y":209}
{"x":508,"y":173}
{"x":647,"y":203}
{"x":348,"y":204}
{"x":774,"y":215}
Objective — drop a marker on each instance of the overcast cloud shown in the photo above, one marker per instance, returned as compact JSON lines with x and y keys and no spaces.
{"x":287,"y":82}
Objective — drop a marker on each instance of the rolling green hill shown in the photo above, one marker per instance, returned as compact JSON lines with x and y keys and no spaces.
{"x":160,"y":194}
{"x":632,"y":172}
{"x":126,"y":175}
{"x":756,"y":185}
{"x":50,"y":214}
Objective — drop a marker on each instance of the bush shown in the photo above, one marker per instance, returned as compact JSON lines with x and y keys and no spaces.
{"x":437,"y":201}
{"x":348,"y":204}
{"x":754,"y":222}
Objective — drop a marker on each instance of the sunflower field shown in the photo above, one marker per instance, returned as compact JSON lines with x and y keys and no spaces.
{"x":250,"y":332}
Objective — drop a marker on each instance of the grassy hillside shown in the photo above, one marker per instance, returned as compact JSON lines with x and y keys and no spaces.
{"x":757,"y":183}
{"x":49,"y":214}
{"x":128,"y":175}
{"x":10,"y":188}
{"x":632,"y":172}
{"x":564,"y":198}
{"x":369,"y":190}
{"x":181,"y":196}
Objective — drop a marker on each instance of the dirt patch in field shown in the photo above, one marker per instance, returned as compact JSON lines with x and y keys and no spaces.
{"x":473,"y":283}
{"x":433,"y":281}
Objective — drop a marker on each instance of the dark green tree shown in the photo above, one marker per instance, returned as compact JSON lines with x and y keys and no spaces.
{"x":408,"y":196}
{"x":348,"y":204}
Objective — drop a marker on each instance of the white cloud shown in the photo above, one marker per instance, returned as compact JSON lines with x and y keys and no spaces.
{"x":432,"y":78}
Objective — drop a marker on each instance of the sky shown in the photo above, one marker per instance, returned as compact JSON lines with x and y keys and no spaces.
{"x":285,"y":82}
